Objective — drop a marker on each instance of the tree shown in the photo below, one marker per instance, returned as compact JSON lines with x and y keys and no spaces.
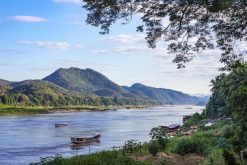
{"x":194,"y":25}
{"x":216,"y":105}
{"x":159,"y":135}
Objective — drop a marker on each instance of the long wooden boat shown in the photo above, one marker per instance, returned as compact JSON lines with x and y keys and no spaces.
{"x":87,"y":139}
{"x":61,"y":124}
{"x":77,"y":146}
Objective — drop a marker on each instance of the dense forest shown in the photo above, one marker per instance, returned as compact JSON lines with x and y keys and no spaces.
{"x":42,"y":93}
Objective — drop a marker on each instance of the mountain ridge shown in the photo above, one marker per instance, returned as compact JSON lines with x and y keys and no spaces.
{"x":87,"y":83}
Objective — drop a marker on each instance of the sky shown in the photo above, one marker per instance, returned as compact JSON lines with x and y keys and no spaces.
{"x":39,"y":36}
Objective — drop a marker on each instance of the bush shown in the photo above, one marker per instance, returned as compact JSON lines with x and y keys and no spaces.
{"x":189,"y":145}
{"x":194,"y":120}
{"x":159,"y":135}
{"x":229,"y":157}
{"x":214,"y":157}
{"x":131,"y":146}
{"x":228,"y":132}
{"x":153,"y":148}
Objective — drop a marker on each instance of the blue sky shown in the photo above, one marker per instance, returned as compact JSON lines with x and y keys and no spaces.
{"x":40,"y":36}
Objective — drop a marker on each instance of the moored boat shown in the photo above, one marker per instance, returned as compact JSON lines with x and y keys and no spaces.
{"x":61,"y":124}
{"x":87,"y":139}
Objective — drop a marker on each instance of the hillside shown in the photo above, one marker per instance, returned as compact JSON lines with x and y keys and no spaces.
{"x":74,"y":86}
{"x":165,"y":96}
{"x":87,"y":82}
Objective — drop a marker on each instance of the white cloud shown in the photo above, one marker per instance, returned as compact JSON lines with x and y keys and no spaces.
{"x":22,"y":18}
{"x":160,"y":51}
{"x":51,"y":45}
{"x":127,"y":39}
{"x":68,"y":1}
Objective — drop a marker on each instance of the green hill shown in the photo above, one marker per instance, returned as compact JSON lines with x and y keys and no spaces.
{"x":87,"y":82}
{"x":74,"y":86}
{"x":165,"y":96}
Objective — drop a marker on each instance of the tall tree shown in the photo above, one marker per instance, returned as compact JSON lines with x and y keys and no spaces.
{"x":193,"y":25}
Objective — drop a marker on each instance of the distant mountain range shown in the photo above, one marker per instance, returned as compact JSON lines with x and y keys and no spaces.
{"x":75,"y":84}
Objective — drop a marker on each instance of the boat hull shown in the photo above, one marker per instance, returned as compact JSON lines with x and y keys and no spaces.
{"x":81,"y":140}
{"x":61,"y":125}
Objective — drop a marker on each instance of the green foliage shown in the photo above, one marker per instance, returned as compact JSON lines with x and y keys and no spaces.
{"x":67,"y":87}
{"x":189,"y":145}
{"x":42,"y":93}
{"x":153,"y":148}
{"x":131,"y":146}
{"x":194,"y":120}
{"x":85,"y":81}
{"x":223,"y":20}
{"x":228,"y":131}
{"x":199,"y":143}
{"x":229,"y":157}
{"x":78,"y":87}
{"x":102,"y":158}
{"x":224,"y":144}
{"x":216,"y":105}
{"x":214,"y":157}
{"x":159,"y":135}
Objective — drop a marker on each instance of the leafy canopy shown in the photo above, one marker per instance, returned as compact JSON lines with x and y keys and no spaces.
{"x":193,"y":26}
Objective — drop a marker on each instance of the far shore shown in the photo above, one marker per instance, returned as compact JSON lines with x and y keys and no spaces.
{"x":8,"y":110}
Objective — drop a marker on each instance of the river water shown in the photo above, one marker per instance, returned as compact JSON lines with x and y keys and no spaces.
{"x":24,"y":139}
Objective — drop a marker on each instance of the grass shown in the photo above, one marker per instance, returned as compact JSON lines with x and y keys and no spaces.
{"x":101,"y":158}
{"x":202,"y":142}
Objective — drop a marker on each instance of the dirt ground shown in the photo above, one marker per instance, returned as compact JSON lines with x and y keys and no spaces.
{"x":174,"y":159}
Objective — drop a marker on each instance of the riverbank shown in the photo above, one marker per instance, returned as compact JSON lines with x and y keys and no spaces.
{"x":116,"y":127}
{"x":208,"y":145}
{"x":20,"y":110}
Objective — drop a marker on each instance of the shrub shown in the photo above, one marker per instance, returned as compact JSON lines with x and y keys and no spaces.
{"x":153,"y":148}
{"x":194,"y":120}
{"x":189,"y":145}
{"x":131,"y":146}
{"x":214,"y":157}
{"x":159,"y":135}
{"x":229,"y":157}
{"x":228,"y":132}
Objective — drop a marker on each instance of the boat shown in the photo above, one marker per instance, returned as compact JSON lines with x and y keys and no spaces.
{"x":79,"y":146}
{"x":61,"y":124}
{"x":87,"y":139}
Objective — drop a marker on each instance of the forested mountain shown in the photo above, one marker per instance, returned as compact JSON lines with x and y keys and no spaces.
{"x":74,"y":86}
{"x":165,"y":96}
{"x":4,"y":82}
{"x":87,"y":82}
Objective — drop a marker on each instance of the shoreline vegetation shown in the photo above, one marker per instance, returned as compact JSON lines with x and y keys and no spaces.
{"x":205,"y":146}
{"x":21,"y":110}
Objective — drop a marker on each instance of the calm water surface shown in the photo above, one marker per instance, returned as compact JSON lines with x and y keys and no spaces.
{"x":24,"y":139}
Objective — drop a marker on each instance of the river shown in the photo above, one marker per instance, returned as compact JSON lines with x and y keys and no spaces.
{"x":24,"y":139}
